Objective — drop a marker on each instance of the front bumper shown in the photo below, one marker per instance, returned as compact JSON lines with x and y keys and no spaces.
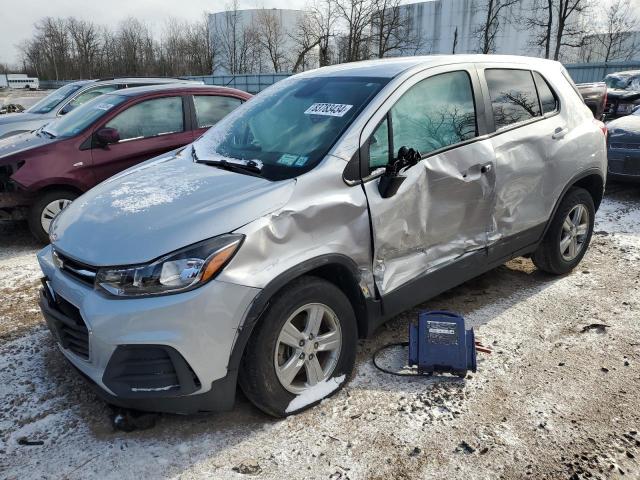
{"x":167,"y":353}
{"x":624,"y":164}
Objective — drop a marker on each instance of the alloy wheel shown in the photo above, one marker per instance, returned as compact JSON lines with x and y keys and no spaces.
{"x":308,"y":347}
{"x":574,"y":232}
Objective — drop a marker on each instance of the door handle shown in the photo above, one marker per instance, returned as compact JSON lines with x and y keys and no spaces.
{"x":559,"y":133}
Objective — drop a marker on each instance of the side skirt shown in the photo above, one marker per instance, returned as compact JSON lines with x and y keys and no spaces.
{"x":469,"y":266}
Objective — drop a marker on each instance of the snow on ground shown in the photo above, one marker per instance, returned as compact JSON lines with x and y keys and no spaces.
{"x":551,"y":401}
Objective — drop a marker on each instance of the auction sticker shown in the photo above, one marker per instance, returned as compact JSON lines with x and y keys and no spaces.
{"x":328,"y":109}
{"x":104,"y":106}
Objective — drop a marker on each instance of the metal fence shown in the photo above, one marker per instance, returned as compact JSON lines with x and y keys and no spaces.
{"x":248,"y":83}
{"x":580,"y":72}
{"x":595,"y":72}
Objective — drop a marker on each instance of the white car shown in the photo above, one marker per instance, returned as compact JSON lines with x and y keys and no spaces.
{"x":322,"y":207}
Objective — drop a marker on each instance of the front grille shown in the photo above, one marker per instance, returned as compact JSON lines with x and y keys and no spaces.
{"x":81,"y":271}
{"x":625,"y":146}
{"x":69,"y":327}
{"x":149,"y":370}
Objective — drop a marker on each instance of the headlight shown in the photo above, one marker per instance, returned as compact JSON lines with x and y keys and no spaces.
{"x":179,"y":271}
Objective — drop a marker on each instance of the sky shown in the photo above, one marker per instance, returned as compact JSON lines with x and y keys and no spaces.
{"x":18,"y":17}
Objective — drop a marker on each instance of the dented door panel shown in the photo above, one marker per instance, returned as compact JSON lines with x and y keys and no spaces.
{"x":440,"y":212}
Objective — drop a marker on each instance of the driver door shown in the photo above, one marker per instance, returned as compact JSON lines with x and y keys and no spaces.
{"x":442,"y":210}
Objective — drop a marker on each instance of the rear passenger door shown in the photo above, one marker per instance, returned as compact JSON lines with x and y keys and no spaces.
{"x":523,"y":111}
{"x":442,"y":209}
{"x":210,"y":109}
{"x":147,"y":128}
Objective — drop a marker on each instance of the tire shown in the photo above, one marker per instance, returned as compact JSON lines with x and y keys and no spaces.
{"x":260,"y":375}
{"x":54,"y":201}
{"x":554,"y":255}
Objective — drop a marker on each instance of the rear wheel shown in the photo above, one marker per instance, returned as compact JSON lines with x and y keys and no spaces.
{"x":45,"y":209}
{"x":303,"y":349}
{"x":569,"y":234}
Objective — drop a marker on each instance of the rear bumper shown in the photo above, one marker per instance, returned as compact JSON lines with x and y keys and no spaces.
{"x":168,"y":353}
{"x":623,"y":164}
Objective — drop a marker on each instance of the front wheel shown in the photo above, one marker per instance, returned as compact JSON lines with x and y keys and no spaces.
{"x":45,"y":209}
{"x":569,"y":234}
{"x":303,"y":349}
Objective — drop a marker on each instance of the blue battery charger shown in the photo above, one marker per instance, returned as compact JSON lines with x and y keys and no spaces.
{"x":440,"y":342}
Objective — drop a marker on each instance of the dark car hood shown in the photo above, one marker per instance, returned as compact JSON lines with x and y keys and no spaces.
{"x":19,"y":117}
{"x":626,"y":128}
{"x":19,"y":143}
{"x":613,"y":93}
{"x":161,"y":206}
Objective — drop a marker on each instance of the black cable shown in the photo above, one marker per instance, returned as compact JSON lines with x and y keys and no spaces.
{"x":391,"y":372}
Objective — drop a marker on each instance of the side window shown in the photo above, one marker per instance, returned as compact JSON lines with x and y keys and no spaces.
{"x":89,"y":95}
{"x":513,"y":96}
{"x":210,"y":109}
{"x":548,"y":99}
{"x":379,"y":146}
{"x":436,"y":112}
{"x":149,"y":118}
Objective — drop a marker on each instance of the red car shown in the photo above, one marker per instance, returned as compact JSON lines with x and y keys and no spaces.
{"x":42,"y":171}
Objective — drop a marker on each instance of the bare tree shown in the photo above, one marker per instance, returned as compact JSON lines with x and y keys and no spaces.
{"x":86,"y":43}
{"x":272,"y":38}
{"x":495,"y":15}
{"x":392,"y":30}
{"x":617,"y":41}
{"x":557,"y":24}
{"x":357,"y":16}
{"x":236,"y":41}
{"x":305,"y":39}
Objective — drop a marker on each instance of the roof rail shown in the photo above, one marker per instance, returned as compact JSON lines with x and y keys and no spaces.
{"x":137,"y":77}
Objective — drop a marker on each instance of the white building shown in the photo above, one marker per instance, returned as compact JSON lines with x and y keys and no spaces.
{"x":626,"y":47}
{"x":438,"y":20}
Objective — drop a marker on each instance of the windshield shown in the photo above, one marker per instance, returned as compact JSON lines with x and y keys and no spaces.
{"x":85,"y":115}
{"x":291,"y":126}
{"x":616,"y":82}
{"x":54,"y":99}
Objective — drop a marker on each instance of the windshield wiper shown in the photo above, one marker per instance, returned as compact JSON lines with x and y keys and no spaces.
{"x":236,"y":165}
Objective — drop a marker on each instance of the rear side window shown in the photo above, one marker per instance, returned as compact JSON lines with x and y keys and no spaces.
{"x":210,"y":109}
{"x":158,"y":116}
{"x":513,"y":96}
{"x":435,"y":113}
{"x":548,"y":99}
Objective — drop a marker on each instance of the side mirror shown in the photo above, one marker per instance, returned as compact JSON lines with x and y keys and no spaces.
{"x":392,"y":178}
{"x":107,"y":136}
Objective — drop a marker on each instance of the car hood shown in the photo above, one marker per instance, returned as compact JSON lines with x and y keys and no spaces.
{"x":161,"y":206}
{"x":19,"y":117}
{"x":624,"y":127}
{"x":21,"y":142}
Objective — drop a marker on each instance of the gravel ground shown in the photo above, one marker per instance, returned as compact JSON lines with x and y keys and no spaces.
{"x":25,"y":98}
{"x":556,"y":399}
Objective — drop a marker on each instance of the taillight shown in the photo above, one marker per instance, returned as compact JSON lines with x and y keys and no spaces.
{"x":602,"y":126}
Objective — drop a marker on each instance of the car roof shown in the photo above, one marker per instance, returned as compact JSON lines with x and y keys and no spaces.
{"x":179,"y":88}
{"x":145,"y":80}
{"x":391,"y":67}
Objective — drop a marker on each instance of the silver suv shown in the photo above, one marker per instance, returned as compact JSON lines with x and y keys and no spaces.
{"x":320,"y":208}
{"x":66,"y":98}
